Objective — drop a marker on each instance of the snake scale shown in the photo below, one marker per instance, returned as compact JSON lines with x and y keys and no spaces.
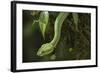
{"x":48,"y":48}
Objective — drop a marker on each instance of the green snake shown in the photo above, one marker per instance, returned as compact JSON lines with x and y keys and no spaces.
{"x":48,"y":48}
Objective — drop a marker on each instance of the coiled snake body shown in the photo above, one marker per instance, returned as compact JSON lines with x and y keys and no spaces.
{"x":48,"y":48}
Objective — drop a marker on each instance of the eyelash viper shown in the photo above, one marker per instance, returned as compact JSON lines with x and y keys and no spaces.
{"x":48,"y":48}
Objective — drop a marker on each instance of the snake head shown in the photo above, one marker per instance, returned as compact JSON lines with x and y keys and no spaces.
{"x":45,"y":49}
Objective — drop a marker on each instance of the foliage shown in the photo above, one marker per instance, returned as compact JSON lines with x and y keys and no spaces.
{"x":43,"y":22}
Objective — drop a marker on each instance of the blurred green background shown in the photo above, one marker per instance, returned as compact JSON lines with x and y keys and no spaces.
{"x":73,"y":44}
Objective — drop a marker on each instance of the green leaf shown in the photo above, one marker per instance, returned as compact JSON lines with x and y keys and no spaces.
{"x":34,"y":13}
{"x":70,"y":49}
{"x":75,"y":17}
{"x":43,"y":21}
{"x":53,"y":57}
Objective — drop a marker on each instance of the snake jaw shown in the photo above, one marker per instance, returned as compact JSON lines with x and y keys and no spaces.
{"x":45,"y":49}
{"x":39,"y":53}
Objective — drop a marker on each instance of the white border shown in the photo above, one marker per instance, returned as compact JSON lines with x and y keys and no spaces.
{"x":36,"y":65}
